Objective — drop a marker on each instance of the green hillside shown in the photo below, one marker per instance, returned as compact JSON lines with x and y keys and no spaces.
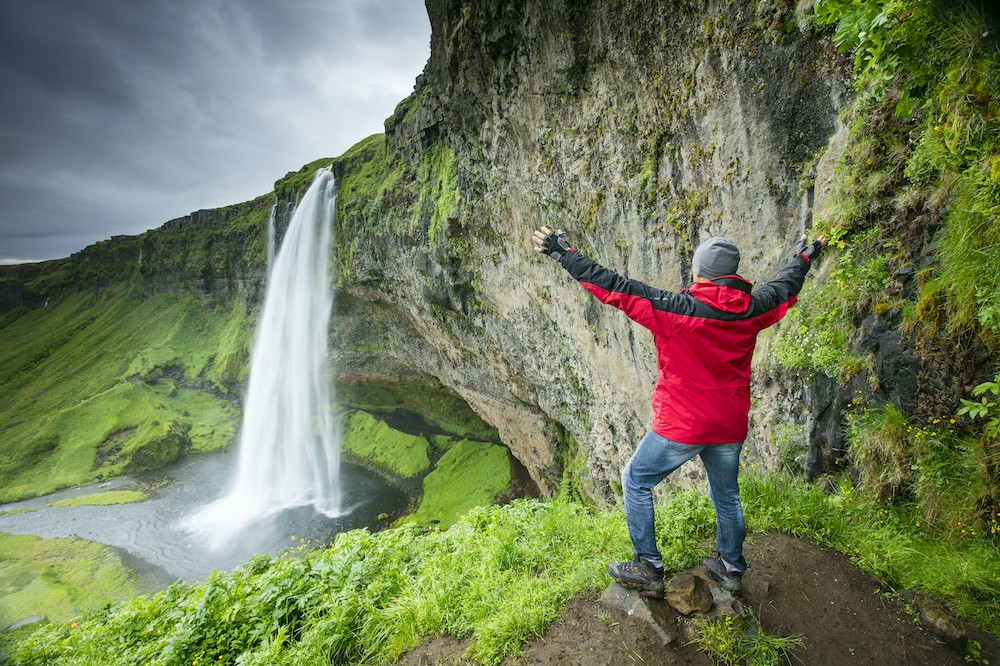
{"x":92,"y":386}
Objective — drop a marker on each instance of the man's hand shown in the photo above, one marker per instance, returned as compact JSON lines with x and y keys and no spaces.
{"x":810,"y":251}
{"x":553,"y":243}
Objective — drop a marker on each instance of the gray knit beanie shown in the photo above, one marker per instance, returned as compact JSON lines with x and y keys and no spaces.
{"x":716,"y":257}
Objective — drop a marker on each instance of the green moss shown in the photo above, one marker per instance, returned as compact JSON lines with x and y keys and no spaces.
{"x":438,"y":200}
{"x":374,"y":441}
{"x":58,"y":578}
{"x":231,"y":367}
{"x":103,"y":499}
{"x":468,"y":475}
{"x":428,"y":399}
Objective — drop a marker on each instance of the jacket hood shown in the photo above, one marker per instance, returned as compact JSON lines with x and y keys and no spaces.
{"x":729,"y":293}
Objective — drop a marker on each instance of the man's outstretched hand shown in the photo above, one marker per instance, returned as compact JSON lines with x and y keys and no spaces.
{"x":553,"y":243}
{"x":810,"y":251}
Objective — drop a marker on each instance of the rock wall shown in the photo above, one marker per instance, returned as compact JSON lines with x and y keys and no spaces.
{"x":641,"y":130}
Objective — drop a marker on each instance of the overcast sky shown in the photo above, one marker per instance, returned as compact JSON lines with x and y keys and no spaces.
{"x":119,"y":115}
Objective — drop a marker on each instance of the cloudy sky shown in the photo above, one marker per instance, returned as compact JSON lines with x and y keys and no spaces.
{"x":118,"y":115}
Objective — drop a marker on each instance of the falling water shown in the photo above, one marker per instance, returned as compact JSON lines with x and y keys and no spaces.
{"x":289,"y":453}
{"x":271,"y":237}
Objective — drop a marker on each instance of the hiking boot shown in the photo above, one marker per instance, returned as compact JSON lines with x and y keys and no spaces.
{"x":730,"y":580}
{"x":638,"y":575}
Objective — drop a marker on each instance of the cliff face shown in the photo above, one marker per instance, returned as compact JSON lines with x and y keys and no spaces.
{"x":640,"y":130}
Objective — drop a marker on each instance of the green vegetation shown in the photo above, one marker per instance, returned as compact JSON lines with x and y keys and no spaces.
{"x":73,"y":413}
{"x":943,"y":60}
{"x":730,"y":643}
{"x":924,"y":152}
{"x":14,"y":512}
{"x":916,"y":193}
{"x":936,"y":468}
{"x":469,"y":474}
{"x":373,"y":441}
{"x":58,"y":578}
{"x":438,"y":201}
{"x":103,"y":499}
{"x":499,"y":576}
{"x":378,"y":197}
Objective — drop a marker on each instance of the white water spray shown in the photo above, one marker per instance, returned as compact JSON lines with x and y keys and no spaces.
{"x":289,"y":453}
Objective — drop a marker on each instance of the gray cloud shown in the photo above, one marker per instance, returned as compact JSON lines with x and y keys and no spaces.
{"x":118,"y":115}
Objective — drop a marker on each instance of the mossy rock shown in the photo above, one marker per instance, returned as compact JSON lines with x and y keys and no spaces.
{"x":375,"y":442}
{"x":160,"y":452}
{"x":468,"y":475}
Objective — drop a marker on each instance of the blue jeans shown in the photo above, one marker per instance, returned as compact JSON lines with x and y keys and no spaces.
{"x":654,"y":459}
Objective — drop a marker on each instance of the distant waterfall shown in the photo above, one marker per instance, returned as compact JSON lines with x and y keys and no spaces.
{"x":289,"y":454}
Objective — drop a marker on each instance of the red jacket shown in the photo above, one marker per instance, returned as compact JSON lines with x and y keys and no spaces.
{"x":705,"y":338}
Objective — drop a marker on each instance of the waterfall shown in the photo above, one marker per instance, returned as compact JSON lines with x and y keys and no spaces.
{"x":289,"y":454}
{"x":270,"y":237}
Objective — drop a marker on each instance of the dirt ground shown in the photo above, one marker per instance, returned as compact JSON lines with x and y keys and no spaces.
{"x":794,"y":587}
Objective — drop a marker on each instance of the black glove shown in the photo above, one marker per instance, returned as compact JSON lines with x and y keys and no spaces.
{"x":811,"y":251}
{"x":556,"y":245}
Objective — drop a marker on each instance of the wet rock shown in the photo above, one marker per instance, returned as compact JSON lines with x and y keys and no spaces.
{"x":688,"y":593}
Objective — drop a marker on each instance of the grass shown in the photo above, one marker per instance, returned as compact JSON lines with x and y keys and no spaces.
{"x":103,"y":499}
{"x":730,"y":643}
{"x":375,"y":442}
{"x":73,"y":413}
{"x":499,"y":576}
{"x":58,"y":578}
{"x":469,"y":474}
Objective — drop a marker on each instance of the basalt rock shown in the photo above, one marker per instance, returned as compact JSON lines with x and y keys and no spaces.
{"x":640,"y":131}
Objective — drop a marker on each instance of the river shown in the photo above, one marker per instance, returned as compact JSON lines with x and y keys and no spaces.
{"x":149,"y":538}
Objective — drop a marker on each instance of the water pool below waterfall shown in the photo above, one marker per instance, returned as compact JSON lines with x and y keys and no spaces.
{"x":151,"y":541}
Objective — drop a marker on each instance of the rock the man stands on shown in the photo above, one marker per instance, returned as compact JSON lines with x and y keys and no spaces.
{"x":705,"y":338}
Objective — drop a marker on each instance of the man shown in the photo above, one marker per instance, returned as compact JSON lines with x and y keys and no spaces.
{"x":704,"y":338}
